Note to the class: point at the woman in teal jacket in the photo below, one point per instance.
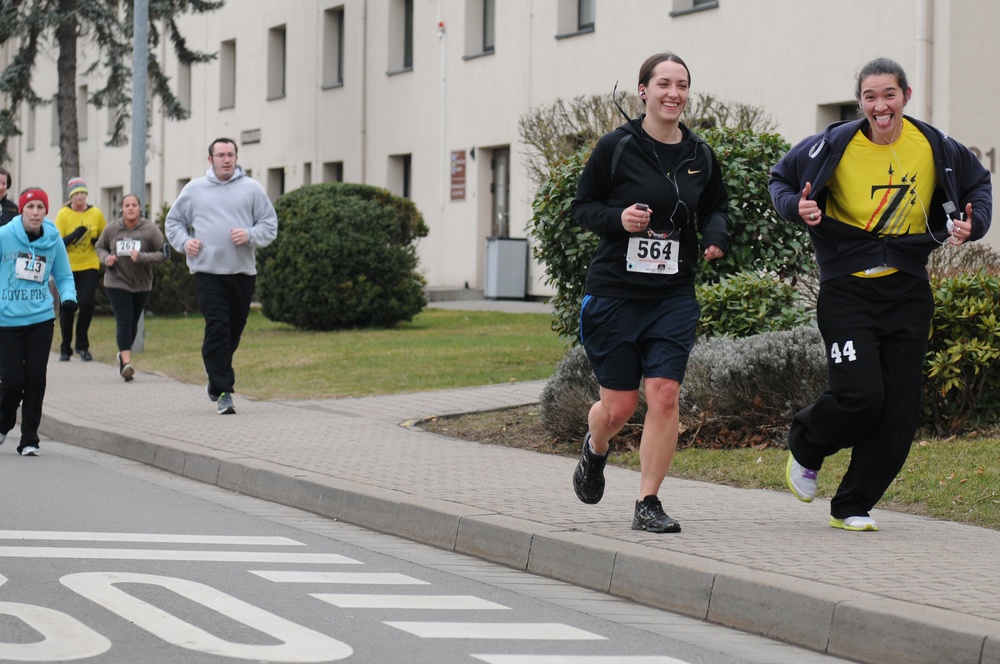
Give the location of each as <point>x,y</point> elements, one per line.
<point>31,250</point>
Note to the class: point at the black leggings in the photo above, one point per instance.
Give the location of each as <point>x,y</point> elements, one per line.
<point>24,360</point>
<point>86,288</point>
<point>128,308</point>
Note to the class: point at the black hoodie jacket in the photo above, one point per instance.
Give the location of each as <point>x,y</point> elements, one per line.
<point>843,249</point>
<point>623,170</point>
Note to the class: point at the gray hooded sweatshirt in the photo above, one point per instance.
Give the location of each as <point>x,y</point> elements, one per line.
<point>208,209</point>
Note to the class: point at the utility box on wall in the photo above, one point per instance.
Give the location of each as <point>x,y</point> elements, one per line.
<point>506,268</point>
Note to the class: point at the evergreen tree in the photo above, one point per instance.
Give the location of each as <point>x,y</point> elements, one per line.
<point>33,24</point>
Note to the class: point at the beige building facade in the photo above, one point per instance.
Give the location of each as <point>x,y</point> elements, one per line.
<point>423,97</point>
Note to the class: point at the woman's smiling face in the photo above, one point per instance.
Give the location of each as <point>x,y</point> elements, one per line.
<point>667,91</point>
<point>882,101</point>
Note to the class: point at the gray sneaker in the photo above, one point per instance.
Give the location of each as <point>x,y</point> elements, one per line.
<point>225,404</point>
<point>649,516</point>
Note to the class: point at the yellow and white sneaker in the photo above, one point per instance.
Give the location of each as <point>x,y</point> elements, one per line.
<point>854,523</point>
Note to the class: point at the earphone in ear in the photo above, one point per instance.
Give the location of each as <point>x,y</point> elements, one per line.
<point>642,95</point>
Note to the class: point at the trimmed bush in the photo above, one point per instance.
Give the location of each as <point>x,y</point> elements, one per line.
<point>962,371</point>
<point>568,395</point>
<point>746,304</point>
<point>345,256</point>
<point>752,384</point>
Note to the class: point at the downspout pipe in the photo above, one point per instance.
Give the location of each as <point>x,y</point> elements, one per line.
<point>924,56</point>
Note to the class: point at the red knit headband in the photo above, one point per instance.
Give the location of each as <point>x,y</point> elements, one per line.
<point>32,195</point>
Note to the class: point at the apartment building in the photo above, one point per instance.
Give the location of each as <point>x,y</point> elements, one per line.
<point>423,97</point>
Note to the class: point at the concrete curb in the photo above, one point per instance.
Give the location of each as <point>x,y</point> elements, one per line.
<point>822,617</point>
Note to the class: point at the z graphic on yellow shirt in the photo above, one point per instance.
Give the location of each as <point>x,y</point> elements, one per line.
<point>884,189</point>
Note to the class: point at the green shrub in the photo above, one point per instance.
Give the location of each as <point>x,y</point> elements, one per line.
<point>345,256</point>
<point>173,284</point>
<point>962,372</point>
<point>746,304</point>
<point>562,246</point>
<point>762,241</point>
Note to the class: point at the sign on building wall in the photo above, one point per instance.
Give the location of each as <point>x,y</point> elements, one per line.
<point>458,175</point>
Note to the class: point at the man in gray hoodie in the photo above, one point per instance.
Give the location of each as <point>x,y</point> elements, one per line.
<point>217,222</point>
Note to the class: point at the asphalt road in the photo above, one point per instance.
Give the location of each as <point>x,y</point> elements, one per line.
<point>106,560</point>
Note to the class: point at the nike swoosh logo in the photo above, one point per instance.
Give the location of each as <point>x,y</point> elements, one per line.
<point>690,172</point>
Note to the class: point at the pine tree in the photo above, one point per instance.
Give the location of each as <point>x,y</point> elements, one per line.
<point>33,24</point>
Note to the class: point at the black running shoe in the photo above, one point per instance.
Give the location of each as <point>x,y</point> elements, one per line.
<point>588,478</point>
<point>649,516</point>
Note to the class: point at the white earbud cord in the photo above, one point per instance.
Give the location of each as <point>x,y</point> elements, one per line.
<point>916,193</point>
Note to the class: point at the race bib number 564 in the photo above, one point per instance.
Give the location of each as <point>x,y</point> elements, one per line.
<point>652,255</point>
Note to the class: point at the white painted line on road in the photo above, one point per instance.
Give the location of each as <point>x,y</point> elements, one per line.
<point>74,536</point>
<point>166,554</point>
<point>507,631</point>
<point>577,659</point>
<point>444,602</point>
<point>370,578</point>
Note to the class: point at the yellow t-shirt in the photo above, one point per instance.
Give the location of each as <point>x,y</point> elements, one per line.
<point>81,253</point>
<point>884,189</point>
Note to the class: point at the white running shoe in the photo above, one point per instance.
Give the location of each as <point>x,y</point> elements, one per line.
<point>854,523</point>
<point>801,481</point>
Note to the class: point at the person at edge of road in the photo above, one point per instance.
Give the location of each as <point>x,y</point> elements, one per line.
<point>877,196</point>
<point>218,221</point>
<point>31,250</point>
<point>128,248</point>
<point>649,188</point>
<point>8,208</point>
<point>80,224</point>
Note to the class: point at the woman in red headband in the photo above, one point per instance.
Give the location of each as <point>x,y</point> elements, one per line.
<point>31,250</point>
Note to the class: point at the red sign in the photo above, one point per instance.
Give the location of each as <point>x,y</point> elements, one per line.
<point>458,175</point>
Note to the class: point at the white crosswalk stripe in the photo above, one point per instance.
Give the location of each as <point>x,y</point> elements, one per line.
<point>430,602</point>
<point>577,659</point>
<point>360,578</point>
<point>506,631</point>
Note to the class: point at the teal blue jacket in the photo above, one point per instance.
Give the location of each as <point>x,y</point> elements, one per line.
<point>24,301</point>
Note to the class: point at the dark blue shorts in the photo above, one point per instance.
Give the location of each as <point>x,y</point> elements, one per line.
<point>627,340</point>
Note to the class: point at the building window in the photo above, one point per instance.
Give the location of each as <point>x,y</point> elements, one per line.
<point>30,128</point>
<point>227,74</point>
<point>480,27</point>
<point>275,183</point>
<point>307,173</point>
<point>333,47</point>
<point>111,199</point>
<point>575,17</point>
<point>682,7</point>
<point>333,171</point>
<point>400,36</point>
<point>82,116</point>
<point>55,121</point>
<point>399,175</point>
<point>180,184</point>
<point>585,15</point>
<point>276,63</point>
<point>184,85</point>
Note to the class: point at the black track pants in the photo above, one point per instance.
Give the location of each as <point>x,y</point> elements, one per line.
<point>875,332</point>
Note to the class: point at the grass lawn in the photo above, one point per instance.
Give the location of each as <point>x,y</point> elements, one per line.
<point>439,349</point>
